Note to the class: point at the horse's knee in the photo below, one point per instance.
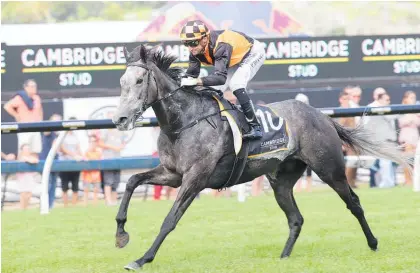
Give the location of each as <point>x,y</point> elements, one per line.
<point>355,209</point>
<point>296,223</point>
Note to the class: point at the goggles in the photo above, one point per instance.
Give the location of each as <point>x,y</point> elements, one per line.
<point>191,43</point>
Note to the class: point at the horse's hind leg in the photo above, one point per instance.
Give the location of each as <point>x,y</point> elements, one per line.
<point>282,184</point>
<point>334,175</point>
<point>157,176</point>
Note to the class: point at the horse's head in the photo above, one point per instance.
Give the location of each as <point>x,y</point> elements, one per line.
<point>138,88</point>
<point>147,77</point>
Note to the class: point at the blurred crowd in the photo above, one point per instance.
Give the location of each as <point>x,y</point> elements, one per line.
<point>399,130</point>
<point>32,147</point>
<point>402,130</point>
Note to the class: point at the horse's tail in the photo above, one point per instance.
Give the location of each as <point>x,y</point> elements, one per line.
<point>361,141</point>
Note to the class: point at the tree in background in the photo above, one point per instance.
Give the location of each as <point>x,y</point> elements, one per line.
<point>319,18</point>
<point>355,18</point>
<point>56,12</point>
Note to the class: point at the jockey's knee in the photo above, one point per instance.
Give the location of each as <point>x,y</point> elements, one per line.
<point>237,86</point>
<point>221,88</point>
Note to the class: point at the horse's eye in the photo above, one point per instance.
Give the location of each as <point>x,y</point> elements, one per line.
<point>139,81</point>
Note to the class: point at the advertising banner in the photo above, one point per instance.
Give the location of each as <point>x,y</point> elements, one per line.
<point>99,66</point>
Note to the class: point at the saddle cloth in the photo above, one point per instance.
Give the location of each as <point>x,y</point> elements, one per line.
<point>274,128</point>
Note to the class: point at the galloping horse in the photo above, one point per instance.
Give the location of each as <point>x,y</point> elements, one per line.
<point>197,155</point>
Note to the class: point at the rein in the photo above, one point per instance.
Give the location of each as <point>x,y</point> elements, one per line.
<point>146,105</point>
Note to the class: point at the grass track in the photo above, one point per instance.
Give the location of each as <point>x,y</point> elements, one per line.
<point>220,236</point>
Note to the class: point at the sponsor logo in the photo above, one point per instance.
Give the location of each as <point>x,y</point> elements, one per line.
<point>273,142</point>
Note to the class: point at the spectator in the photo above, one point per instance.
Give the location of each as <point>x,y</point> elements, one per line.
<point>8,156</point>
<point>416,182</point>
<point>257,186</point>
<point>26,107</point>
<point>170,193</point>
<point>48,138</point>
<point>355,97</point>
<point>303,98</point>
<point>70,150</point>
<point>384,130</point>
<point>92,177</point>
<point>409,125</point>
<point>308,186</point>
<point>349,122</point>
<point>112,142</point>
<point>376,93</point>
<point>375,168</point>
<point>27,180</point>
<point>157,189</point>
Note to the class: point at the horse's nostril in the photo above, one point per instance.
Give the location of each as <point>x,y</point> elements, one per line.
<point>121,120</point>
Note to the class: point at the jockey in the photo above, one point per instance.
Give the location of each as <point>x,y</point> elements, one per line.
<point>236,58</point>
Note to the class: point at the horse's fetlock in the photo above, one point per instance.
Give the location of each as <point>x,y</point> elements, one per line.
<point>121,220</point>
<point>149,259</point>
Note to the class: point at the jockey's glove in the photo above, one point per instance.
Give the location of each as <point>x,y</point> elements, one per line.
<point>189,81</point>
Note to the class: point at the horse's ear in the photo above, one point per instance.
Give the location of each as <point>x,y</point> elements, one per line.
<point>143,54</point>
<point>126,53</point>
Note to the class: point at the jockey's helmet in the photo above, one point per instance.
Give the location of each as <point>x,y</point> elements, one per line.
<point>193,30</point>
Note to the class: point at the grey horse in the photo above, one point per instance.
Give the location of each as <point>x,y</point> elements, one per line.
<point>199,155</point>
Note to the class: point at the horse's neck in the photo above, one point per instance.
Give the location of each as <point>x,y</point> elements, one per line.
<point>180,109</point>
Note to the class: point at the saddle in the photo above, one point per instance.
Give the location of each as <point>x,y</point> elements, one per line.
<point>275,134</point>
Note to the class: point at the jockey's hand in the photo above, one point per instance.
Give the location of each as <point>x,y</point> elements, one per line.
<point>189,81</point>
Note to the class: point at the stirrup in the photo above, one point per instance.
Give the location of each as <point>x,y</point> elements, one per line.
<point>254,133</point>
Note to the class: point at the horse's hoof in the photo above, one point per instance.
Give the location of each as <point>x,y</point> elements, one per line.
<point>122,239</point>
<point>284,257</point>
<point>133,266</point>
<point>374,245</point>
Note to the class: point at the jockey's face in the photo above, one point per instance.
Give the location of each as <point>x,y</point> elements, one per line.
<point>199,48</point>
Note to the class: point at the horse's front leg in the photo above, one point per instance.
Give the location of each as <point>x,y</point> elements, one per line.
<point>192,183</point>
<point>157,176</point>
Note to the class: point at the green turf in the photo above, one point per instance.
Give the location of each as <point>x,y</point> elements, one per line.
<point>220,236</point>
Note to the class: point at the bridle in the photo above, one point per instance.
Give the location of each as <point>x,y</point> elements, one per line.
<point>150,73</point>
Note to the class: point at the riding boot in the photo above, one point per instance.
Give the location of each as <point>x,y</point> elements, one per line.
<point>249,112</point>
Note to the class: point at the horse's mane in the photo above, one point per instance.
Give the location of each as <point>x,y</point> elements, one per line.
<point>159,58</point>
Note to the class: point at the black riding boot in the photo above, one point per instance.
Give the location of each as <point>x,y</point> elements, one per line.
<point>248,109</point>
